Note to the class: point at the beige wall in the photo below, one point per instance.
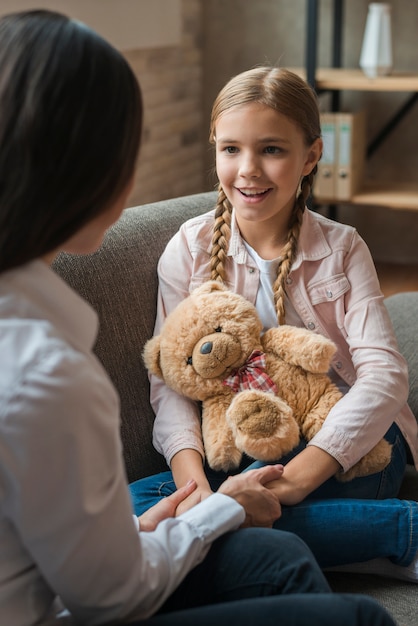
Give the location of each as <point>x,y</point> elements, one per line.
<point>171,158</point>
<point>126,24</point>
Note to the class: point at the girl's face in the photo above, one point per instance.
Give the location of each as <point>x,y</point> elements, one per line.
<point>261,157</point>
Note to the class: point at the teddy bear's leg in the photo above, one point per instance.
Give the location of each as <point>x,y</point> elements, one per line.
<point>263,425</point>
<point>313,407</point>
<point>221,450</point>
<point>374,461</point>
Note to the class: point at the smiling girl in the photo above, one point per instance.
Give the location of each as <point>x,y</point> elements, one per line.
<point>302,269</point>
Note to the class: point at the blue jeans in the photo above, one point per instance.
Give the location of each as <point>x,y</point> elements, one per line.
<point>340,522</point>
<point>261,576</point>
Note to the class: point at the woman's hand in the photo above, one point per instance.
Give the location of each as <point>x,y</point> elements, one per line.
<point>261,505</point>
<point>165,508</point>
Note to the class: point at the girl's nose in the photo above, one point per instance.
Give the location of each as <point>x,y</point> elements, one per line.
<point>249,166</point>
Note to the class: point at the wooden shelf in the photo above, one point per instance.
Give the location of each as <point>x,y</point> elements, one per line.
<point>401,196</point>
<point>337,79</point>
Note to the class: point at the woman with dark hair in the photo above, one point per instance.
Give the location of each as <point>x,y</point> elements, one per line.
<point>70,547</point>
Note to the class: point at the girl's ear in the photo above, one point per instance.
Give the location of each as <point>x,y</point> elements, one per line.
<point>314,154</point>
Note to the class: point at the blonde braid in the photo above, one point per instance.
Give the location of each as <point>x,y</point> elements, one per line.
<point>221,236</point>
<point>290,248</point>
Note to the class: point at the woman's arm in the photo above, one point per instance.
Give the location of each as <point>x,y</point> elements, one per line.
<point>66,430</point>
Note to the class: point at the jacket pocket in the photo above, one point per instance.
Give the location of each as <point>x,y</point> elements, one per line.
<point>328,289</point>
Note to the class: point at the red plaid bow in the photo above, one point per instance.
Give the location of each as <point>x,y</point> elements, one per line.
<point>251,375</point>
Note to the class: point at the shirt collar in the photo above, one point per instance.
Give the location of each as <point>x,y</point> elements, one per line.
<point>313,244</point>
<point>46,296</point>
<point>236,247</point>
<point>312,241</point>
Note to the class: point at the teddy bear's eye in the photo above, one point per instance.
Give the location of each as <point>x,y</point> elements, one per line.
<point>218,329</point>
<point>189,361</point>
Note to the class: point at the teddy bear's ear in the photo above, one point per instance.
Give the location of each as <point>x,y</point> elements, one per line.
<point>151,356</point>
<point>208,287</point>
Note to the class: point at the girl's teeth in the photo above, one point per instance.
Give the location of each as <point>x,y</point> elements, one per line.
<point>253,193</point>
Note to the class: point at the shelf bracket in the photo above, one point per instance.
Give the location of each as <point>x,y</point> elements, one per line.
<point>311,39</point>
<point>391,125</point>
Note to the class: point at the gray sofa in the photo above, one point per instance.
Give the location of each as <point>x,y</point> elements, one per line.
<point>121,284</point>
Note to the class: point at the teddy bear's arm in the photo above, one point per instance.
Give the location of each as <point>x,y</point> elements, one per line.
<point>301,347</point>
<point>219,442</point>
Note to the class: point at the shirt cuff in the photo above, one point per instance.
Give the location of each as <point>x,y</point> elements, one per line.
<point>215,516</point>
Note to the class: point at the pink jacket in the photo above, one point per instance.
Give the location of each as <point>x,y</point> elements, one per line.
<point>334,288</point>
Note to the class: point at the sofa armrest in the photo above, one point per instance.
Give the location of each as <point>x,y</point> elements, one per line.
<point>403,310</point>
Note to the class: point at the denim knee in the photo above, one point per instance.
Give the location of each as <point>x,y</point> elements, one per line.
<point>146,492</point>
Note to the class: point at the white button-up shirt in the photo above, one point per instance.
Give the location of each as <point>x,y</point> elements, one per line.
<point>66,524</point>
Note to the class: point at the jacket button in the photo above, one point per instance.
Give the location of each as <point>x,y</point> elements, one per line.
<point>329,294</point>
<point>251,270</point>
<point>338,365</point>
<point>311,326</point>
<point>289,281</point>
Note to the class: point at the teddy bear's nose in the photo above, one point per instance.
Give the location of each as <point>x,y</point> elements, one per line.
<point>206,348</point>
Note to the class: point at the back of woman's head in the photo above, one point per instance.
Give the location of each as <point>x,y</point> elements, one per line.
<point>70,127</point>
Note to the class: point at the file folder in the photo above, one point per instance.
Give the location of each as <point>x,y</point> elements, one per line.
<point>341,167</point>
<point>351,132</point>
<point>325,182</point>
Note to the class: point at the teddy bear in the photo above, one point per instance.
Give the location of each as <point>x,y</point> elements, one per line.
<point>259,392</point>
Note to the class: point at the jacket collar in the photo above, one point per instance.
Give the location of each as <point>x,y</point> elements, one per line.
<point>313,245</point>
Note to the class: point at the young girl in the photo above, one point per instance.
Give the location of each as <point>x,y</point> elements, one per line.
<point>302,269</point>
<point>70,127</point>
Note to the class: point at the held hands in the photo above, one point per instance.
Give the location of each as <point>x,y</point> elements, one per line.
<point>165,508</point>
<point>262,507</point>
<point>249,489</point>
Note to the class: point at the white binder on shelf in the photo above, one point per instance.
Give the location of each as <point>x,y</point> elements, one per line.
<point>351,132</point>
<point>341,167</point>
<point>325,182</point>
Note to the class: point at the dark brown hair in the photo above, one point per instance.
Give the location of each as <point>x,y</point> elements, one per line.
<point>70,127</point>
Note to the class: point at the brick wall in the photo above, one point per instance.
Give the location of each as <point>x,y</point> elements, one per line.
<point>171,157</point>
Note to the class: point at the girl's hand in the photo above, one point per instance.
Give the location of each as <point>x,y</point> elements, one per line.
<point>261,505</point>
<point>303,474</point>
<point>199,494</point>
<point>166,508</point>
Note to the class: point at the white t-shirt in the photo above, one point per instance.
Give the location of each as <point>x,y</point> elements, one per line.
<point>66,525</point>
<point>265,299</point>
<point>266,308</point>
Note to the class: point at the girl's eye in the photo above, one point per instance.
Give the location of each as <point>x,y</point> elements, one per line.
<point>230,149</point>
<point>272,150</point>
<point>218,329</point>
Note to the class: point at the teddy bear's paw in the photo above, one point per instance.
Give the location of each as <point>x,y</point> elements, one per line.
<point>373,462</point>
<point>299,346</point>
<point>225,459</point>
<point>262,424</point>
